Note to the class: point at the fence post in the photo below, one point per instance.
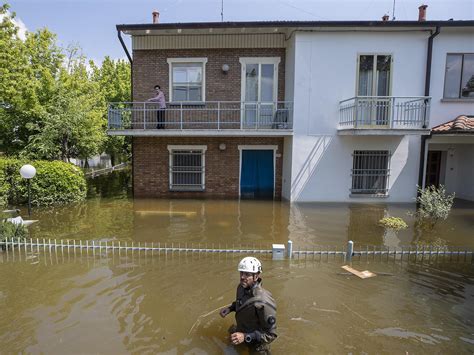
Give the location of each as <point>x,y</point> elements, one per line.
<point>350,250</point>
<point>181,115</point>
<point>392,113</point>
<point>144,115</point>
<point>218,115</point>
<point>290,249</point>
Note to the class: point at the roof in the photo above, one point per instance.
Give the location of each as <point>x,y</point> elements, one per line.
<point>299,24</point>
<point>461,124</point>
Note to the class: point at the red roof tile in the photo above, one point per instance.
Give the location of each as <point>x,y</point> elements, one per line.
<point>461,124</point>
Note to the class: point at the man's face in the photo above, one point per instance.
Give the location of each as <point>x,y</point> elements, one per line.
<point>247,279</point>
<point>157,90</point>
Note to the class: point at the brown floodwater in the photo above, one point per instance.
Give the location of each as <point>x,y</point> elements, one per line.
<point>108,304</point>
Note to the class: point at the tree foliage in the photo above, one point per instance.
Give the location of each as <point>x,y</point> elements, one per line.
<point>53,103</point>
<point>434,205</point>
<point>55,182</point>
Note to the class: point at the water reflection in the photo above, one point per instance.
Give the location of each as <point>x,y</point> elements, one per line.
<point>151,304</point>
<point>240,223</point>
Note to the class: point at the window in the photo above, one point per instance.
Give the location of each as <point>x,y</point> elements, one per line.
<point>187,79</point>
<point>374,75</point>
<point>187,168</point>
<point>459,78</point>
<point>370,171</point>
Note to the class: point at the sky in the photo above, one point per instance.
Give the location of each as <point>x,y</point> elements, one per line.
<point>91,23</point>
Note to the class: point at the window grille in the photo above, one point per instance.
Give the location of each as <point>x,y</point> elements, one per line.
<point>370,172</point>
<point>187,170</point>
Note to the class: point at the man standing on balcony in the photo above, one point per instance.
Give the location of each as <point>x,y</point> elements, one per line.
<point>159,98</point>
<point>255,310</point>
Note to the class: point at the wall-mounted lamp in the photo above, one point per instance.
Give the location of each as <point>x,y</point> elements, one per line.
<point>222,146</point>
<point>225,68</point>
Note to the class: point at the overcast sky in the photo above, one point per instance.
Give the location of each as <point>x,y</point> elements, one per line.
<point>91,23</point>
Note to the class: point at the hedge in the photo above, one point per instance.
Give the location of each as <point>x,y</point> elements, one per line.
<point>56,182</point>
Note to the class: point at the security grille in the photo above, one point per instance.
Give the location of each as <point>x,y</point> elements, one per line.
<point>370,172</point>
<point>187,170</point>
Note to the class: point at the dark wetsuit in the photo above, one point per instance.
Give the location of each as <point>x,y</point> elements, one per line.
<point>255,314</point>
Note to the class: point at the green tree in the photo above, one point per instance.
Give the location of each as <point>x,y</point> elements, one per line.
<point>18,99</point>
<point>113,77</point>
<point>73,126</point>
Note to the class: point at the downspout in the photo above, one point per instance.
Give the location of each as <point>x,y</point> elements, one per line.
<point>424,139</point>
<point>119,34</point>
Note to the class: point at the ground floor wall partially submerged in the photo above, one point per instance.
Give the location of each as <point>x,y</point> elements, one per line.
<point>158,171</point>
<point>450,162</point>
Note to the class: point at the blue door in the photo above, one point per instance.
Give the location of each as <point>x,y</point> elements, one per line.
<point>257,175</point>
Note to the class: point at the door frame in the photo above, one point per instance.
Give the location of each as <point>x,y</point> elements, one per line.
<point>258,147</point>
<point>257,60</point>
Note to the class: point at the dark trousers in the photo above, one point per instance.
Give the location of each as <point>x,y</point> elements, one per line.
<point>160,117</point>
<point>259,349</point>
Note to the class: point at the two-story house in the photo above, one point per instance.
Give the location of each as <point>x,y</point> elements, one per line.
<point>305,111</point>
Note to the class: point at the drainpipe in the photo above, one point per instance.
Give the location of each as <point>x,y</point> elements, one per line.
<point>119,34</point>
<point>424,139</point>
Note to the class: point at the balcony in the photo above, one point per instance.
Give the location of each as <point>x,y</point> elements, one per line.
<point>384,115</point>
<point>216,118</point>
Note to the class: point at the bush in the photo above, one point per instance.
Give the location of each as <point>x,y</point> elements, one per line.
<point>55,182</point>
<point>434,205</point>
<point>11,230</point>
<point>394,223</point>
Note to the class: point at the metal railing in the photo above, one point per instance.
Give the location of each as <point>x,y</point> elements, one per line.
<point>35,250</point>
<point>392,112</point>
<point>209,115</point>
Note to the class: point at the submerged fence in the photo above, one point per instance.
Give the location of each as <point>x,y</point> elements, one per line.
<point>17,247</point>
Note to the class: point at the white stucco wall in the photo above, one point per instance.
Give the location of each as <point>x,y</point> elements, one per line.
<point>448,41</point>
<point>465,176</point>
<point>325,73</point>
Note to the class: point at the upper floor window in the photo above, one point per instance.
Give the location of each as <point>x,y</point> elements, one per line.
<point>374,75</point>
<point>187,79</point>
<point>459,78</point>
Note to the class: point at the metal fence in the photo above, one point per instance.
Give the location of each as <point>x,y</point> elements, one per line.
<point>19,249</point>
<point>209,115</point>
<point>394,112</point>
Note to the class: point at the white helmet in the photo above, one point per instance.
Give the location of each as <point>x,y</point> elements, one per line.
<point>250,264</point>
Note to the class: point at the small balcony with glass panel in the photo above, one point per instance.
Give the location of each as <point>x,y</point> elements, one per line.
<point>374,111</point>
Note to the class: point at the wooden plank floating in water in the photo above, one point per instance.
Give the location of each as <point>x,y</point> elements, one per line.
<point>362,274</point>
<point>168,213</point>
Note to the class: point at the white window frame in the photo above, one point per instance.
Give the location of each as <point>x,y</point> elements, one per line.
<point>259,147</point>
<point>375,54</point>
<point>203,149</point>
<point>259,60</point>
<point>387,174</point>
<point>191,60</point>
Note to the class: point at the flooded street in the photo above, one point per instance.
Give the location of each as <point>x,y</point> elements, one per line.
<point>138,303</point>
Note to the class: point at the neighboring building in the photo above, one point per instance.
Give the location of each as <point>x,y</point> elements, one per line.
<point>305,111</point>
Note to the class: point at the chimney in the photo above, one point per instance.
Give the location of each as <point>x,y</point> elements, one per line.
<point>156,16</point>
<point>422,13</point>
<point>385,18</point>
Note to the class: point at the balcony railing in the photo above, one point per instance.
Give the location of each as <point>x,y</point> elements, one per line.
<point>389,112</point>
<point>215,115</point>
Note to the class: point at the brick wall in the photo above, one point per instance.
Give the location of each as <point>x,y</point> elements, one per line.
<point>151,165</point>
<point>150,67</point>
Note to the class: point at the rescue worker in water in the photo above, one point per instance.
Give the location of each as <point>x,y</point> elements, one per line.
<point>255,310</point>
